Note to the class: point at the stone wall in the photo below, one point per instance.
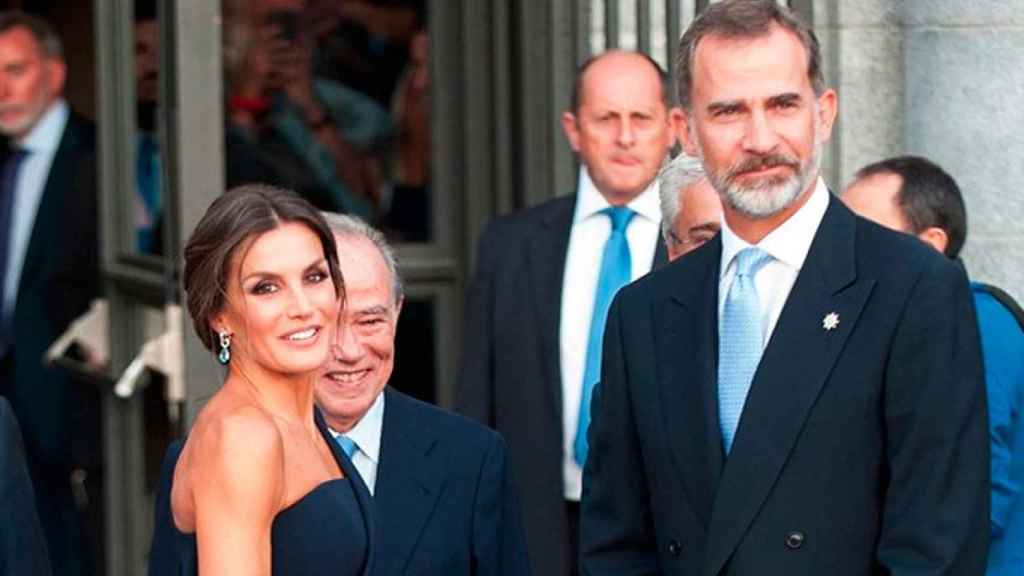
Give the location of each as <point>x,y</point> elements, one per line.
<point>943,79</point>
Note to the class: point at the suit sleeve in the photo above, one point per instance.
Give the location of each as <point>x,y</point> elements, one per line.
<point>22,545</point>
<point>936,509</point>
<point>476,373</point>
<point>499,543</point>
<point>616,533</point>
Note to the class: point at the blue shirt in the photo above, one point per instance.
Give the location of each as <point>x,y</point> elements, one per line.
<point>41,143</point>
<point>1002,347</point>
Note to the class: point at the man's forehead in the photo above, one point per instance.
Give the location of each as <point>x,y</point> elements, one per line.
<point>19,41</point>
<point>740,68</point>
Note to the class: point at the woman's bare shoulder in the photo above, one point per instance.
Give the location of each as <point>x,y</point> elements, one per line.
<point>234,455</point>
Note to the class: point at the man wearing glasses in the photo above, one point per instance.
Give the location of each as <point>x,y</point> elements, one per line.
<point>691,212</point>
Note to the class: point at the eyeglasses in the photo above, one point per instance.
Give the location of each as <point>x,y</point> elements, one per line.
<point>696,237</point>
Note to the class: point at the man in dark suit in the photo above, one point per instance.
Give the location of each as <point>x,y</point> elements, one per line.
<point>22,544</point>
<point>536,307</point>
<point>48,254</point>
<point>443,498</point>
<point>916,196</point>
<point>802,395</point>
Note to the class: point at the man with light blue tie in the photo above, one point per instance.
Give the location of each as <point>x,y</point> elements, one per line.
<point>803,394</point>
<point>444,502</point>
<point>536,307</point>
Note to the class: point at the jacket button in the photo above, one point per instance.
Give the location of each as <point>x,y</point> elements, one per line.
<point>794,540</point>
<point>674,547</point>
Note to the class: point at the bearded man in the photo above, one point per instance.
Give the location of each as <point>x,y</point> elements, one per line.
<point>804,393</point>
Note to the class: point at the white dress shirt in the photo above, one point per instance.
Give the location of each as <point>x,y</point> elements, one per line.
<point>366,434</point>
<point>41,143</point>
<point>788,246</point>
<point>590,231</point>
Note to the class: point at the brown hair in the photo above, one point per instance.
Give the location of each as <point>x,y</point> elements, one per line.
<point>744,19</point>
<point>242,213</point>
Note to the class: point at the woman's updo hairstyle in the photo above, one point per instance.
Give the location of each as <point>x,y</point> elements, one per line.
<point>243,212</point>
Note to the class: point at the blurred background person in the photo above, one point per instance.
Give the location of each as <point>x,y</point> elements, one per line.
<point>536,307</point>
<point>148,202</point>
<point>288,126</point>
<point>262,288</point>
<point>49,263</point>
<point>916,196</point>
<point>691,211</point>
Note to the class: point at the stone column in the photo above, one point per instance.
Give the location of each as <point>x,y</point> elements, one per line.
<point>964,109</point>
<point>862,48</point>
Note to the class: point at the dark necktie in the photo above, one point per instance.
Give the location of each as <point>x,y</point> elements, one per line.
<point>8,183</point>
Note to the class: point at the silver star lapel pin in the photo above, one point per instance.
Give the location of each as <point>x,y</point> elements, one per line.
<point>830,321</point>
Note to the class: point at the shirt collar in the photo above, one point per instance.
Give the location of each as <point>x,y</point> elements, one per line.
<point>366,433</point>
<point>790,242</point>
<point>590,201</point>
<point>45,135</point>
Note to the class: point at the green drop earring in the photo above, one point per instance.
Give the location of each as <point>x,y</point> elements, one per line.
<point>224,356</point>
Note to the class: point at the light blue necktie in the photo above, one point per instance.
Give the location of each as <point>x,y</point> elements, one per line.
<point>616,268</point>
<point>739,342</point>
<point>348,445</point>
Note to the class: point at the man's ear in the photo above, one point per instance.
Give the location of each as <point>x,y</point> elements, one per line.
<point>675,120</point>
<point>936,237</point>
<point>828,107</point>
<point>572,130</point>
<point>398,309</point>
<point>56,74</point>
<point>685,132</point>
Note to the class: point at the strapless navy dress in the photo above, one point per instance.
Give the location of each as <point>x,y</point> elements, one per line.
<point>327,531</point>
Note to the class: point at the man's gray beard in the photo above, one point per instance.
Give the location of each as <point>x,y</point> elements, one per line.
<point>769,196</point>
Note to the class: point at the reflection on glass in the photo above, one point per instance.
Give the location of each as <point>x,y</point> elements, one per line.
<point>147,202</point>
<point>331,99</point>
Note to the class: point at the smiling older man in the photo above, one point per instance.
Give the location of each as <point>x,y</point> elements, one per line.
<point>443,498</point>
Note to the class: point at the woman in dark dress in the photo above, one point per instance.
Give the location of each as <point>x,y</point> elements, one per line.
<point>258,487</point>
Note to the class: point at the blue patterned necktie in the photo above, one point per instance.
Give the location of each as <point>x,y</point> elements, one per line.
<point>739,342</point>
<point>616,268</point>
<point>348,445</point>
<point>8,184</point>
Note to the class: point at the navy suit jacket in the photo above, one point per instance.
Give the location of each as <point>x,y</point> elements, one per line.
<point>861,450</point>
<point>60,276</point>
<point>510,375</point>
<point>443,499</point>
<point>22,544</point>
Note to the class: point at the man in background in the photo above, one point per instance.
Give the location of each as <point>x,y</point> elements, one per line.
<point>914,195</point>
<point>537,303</point>
<point>48,258</point>
<point>691,212</point>
<point>444,501</point>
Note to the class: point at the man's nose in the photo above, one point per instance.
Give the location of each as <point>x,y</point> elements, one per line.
<point>760,136</point>
<point>627,133</point>
<point>347,347</point>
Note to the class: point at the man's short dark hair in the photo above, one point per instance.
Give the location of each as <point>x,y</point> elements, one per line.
<point>576,97</point>
<point>44,34</point>
<point>928,197</point>
<point>734,19</point>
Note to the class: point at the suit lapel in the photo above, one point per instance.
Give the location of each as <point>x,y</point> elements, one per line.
<point>58,182</point>
<point>686,342</point>
<point>795,365</point>
<point>547,249</point>
<point>409,481</point>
